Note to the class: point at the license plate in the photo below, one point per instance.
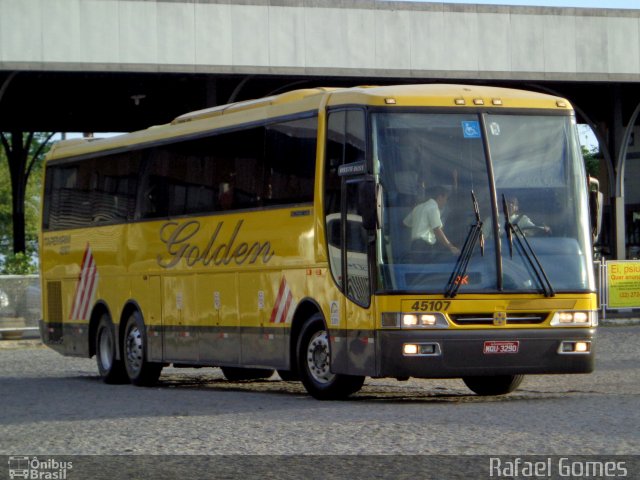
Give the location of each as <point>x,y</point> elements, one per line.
<point>500,347</point>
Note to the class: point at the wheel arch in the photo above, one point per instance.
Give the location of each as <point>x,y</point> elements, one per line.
<point>306,308</point>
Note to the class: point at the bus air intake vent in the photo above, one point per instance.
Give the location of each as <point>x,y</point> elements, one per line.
<point>54,302</point>
<point>487,319</point>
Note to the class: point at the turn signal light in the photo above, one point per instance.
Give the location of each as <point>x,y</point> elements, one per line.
<point>421,349</point>
<point>574,346</point>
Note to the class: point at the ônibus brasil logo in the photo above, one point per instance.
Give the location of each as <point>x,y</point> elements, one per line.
<point>36,469</point>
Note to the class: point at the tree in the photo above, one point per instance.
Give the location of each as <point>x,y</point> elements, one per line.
<point>591,161</point>
<point>23,153</point>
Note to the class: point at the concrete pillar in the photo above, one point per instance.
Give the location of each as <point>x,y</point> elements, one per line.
<point>616,145</point>
<point>620,232</point>
<point>622,137</point>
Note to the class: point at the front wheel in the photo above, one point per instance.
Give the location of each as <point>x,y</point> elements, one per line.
<point>141,372</point>
<point>111,370</point>
<point>493,385</point>
<point>314,364</point>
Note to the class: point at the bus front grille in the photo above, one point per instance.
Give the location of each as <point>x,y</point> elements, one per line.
<point>487,319</point>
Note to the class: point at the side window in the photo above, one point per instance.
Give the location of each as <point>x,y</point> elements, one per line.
<point>358,285</point>
<point>346,238</point>
<point>216,173</point>
<point>291,161</point>
<point>355,137</point>
<point>68,196</point>
<point>155,189</point>
<point>243,183</point>
<point>333,191</point>
<point>178,181</point>
<point>114,182</point>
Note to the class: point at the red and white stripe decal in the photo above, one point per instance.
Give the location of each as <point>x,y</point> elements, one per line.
<point>283,302</point>
<point>86,289</point>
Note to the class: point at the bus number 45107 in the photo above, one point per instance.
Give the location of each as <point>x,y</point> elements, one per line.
<point>431,306</point>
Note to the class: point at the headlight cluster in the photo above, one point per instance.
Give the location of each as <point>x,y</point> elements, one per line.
<point>414,320</point>
<point>575,319</point>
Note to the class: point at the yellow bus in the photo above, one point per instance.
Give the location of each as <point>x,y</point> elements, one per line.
<point>429,231</point>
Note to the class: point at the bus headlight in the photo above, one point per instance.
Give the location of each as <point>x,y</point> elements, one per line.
<point>414,320</point>
<point>575,319</point>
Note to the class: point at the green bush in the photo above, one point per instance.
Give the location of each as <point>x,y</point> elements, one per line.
<point>17,264</point>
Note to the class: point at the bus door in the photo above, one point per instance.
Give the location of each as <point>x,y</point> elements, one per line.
<point>351,327</point>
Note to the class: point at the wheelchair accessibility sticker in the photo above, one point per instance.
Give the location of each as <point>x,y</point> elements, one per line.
<point>471,129</point>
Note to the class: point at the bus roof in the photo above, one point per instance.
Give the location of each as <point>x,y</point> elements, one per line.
<point>307,100</point>
<point>447,95</point>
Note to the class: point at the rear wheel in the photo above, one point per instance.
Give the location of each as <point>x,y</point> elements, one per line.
<point>141,372</point>
<point>493,385</point>
<point>314,364</point>
<point>236,374</point>
<point>111,370</point>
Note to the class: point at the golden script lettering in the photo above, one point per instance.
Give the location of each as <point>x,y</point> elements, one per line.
<point>181,242</point>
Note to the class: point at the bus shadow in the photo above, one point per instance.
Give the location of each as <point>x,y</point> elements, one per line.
<point>370,393</point>
<point>373,391</point>
<point>84,396</point>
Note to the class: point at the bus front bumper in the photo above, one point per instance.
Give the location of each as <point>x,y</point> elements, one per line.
<point>451,354</point>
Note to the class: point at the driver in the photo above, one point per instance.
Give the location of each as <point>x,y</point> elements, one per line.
<point>427,234</point>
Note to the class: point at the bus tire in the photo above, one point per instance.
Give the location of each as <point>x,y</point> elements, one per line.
<point>140,371</point>
<point>314,364</point>
<point>237,374</point>
<point>493,385</point>
<point>111,370</point>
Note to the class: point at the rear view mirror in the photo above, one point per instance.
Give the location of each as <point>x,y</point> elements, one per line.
<point>367,204</point>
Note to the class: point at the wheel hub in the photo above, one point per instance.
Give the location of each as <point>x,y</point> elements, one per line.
<point>134,349</point>
<point>318,358</point>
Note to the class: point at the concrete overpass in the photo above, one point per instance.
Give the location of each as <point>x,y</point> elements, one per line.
<point>114,65</point>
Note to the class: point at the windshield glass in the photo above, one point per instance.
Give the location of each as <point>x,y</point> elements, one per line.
<point>539,173</point>
<point>432,166</point>
<point>428,165</point>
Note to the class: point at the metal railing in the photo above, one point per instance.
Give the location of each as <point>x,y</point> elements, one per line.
<point>19,305</point>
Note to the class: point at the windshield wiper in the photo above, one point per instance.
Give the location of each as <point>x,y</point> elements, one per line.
<point>513,230</point>
<point>458,276</point>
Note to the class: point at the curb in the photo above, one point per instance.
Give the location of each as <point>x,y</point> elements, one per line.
<point>619,322</point>
<point>23,343</point>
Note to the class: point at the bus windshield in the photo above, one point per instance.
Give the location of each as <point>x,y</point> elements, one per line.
<point>480,203</point>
